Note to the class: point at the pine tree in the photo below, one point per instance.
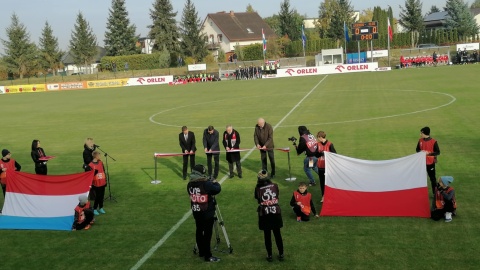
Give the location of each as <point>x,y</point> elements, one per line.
<point>343,14</point>
<point>20,53</point>
<point>250,8</point>
<point>164,30</point>
<point>120,38</point>
<point>433,9</point>
<point>83,43</point>
<point>475,4</point>
<point>193,40</point>
<point>290,22</point>
<point>326,12</point>
<point>411,18</point>
<point>460,18</point>
<point>50,56</point>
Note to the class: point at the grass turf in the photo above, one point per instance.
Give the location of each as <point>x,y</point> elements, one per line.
<point>366,115</point>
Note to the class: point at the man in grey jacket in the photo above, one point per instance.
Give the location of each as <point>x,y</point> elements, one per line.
<point>263,137</point>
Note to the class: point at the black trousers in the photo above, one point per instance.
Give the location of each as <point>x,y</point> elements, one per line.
<point>185,164</point>
<point>203,236</point>
<point>431,175</point>
<point>239,167</point>
<point>298,211</point>
<point>438,214</point>
<point>41,170</point>
<point>267,236</point>
<point>271,157</point>
<point>99,196</point>
<point>321,176</point>
<point>88,218</point>
<point>4,188</point>
<point>216,159</point>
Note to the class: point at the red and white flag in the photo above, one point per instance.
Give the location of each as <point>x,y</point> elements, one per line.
<point>390,32</point>
<point>394,188</point>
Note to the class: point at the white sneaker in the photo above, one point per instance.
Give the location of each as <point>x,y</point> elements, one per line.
<point>322,200</point>
<point>448,216</point>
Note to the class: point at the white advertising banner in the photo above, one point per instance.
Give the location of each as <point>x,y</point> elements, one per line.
<point>376,54</point>
<point>197,67</point>
<point>2,90</point>
<point>53,87</point>
<point>150,80</point>
<point>327,69</point>
<point>469,46</point>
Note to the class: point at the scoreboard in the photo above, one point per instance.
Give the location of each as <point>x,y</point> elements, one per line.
<point>365,31</point>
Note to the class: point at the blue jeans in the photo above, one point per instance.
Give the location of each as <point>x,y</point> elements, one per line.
<point>308,170</point>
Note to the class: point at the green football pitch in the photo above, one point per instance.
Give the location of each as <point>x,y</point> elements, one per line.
<point>373,116</point>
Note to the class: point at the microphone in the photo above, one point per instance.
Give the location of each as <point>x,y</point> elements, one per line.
<point>96,146</point>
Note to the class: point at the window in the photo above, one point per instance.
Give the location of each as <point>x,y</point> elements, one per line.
<point>249,31</point>
<point>219,38</point>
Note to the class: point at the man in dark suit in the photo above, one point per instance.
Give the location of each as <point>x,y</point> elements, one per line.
<point>187,143</point>
<point>212,149</point>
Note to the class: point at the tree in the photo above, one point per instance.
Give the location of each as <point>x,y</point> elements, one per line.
<point>411,18</point>
<point>326,12</point>
<point>366,15</point>
<point>193,40</point>
<point>250,8</point>
<point>83,43</point>
<point>433,9</point>
<point>50,56</point>
<point>343,14</point>
<point>164,30</point>
<point>290,21</point>
<point>120,38</point>
<point>460,18</point>
<point>20,53</point>
<point>274,23</point>
<point>475,4</point>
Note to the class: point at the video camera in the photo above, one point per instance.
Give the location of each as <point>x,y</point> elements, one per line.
<point>293,139</point>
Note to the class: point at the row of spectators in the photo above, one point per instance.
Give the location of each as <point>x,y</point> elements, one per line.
<point>423,60</point>
<point>193,78</point>
<point>463,57</point>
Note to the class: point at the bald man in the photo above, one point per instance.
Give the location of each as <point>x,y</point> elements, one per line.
<point>263,137</point>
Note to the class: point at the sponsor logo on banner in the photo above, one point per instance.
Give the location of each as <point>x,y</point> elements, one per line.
<point>2,90</point>
<point>28,88</point>
<point>197,67</point>
<point>150,80</point>
<point>107,83</point>
<point>376,54</point>
<point>53,87</point>
<point>73,85</point>
<point>383,69</point>
<point>326,69</point>
<point>469,46</point>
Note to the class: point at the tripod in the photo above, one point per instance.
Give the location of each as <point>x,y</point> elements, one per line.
<point>106,155</point>
<point>218,222</point>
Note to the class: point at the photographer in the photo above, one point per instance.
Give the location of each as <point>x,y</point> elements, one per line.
<point>307,145</point>
<point>444,204</point>
<point>202,201</point>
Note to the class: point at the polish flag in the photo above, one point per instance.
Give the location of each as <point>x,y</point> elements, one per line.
<point>393,188</point>
<point>42,202</point>
<point>390,32</point>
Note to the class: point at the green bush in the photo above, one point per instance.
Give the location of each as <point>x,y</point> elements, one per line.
<point>137,61</point>
<point>253,52</point>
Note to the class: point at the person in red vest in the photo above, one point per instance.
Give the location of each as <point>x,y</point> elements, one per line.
<point>7,164</point>
<point>83,214</point>
<point>430,146</point>
<point>99,183</point>
<point>302,203</point>
<point>323,146</point>
<point>269,213</point>
<point>444,204</point>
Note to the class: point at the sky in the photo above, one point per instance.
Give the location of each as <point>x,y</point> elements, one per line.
<point>61,14</point>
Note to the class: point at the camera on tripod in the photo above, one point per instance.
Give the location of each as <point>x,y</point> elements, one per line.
<point>293,139</point>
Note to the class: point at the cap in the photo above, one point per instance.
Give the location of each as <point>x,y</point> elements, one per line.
<point>83,199</point>
<point>5,152</point>
<point>200,168</point>
<point>425,130</point>
<point>446,180</point>
<point>263,175</point>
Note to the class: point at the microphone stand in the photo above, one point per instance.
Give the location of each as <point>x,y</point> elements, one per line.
<point>106,155</point>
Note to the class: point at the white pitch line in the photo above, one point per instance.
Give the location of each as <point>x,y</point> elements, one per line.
<point>187,214</point>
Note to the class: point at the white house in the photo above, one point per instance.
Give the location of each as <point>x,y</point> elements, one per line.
<point>227,30</point>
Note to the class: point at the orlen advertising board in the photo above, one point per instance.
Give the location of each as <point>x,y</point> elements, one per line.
<point>150,80</point>
<point>327,69</point>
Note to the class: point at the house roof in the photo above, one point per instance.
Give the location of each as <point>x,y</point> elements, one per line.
<point>437,16</point>
<point>242,26</point>
<point>67,58</point>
